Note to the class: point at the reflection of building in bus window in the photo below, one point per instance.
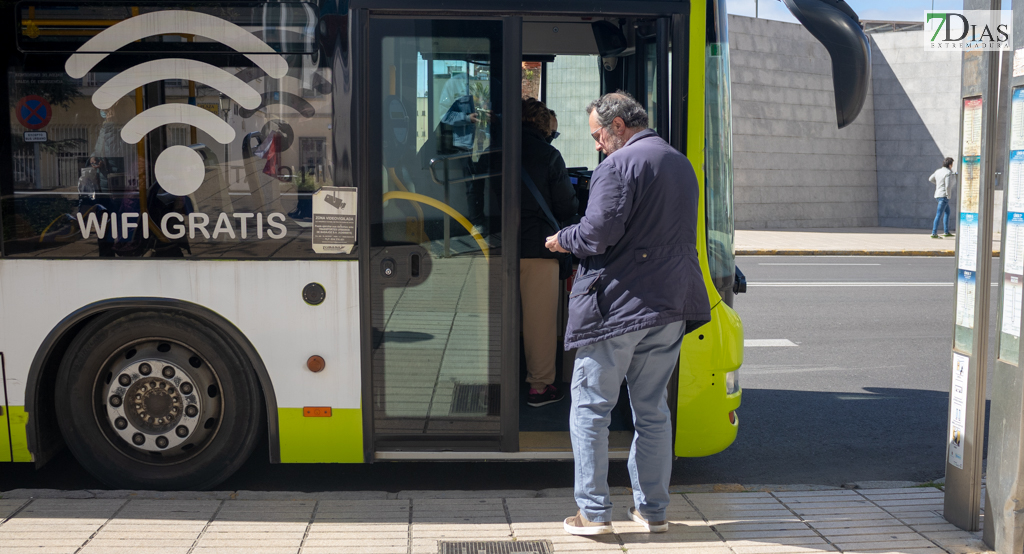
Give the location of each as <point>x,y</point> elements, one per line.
<point>121,159</point>
<point>74,147</point>
<point>89,180</point>
<point>421,121</point>
<point>312,152</point>
<point>178,134</point>
<point>106,184</point>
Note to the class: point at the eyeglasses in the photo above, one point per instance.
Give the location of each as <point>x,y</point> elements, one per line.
<point>552,136</point>
<point>596,134</point>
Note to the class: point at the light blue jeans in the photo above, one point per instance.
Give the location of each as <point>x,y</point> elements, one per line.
<point>941,211</point>
<point>646,360</point>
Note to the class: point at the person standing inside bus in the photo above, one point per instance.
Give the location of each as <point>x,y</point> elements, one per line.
<point>943,179</point>
<point>639,290</point>
<point>539,267</point>
<point>552,127</point>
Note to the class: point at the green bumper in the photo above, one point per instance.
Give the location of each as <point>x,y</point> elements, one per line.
<point>703,424</point>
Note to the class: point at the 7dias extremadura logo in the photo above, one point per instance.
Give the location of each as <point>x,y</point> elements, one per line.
<point>968,30</point>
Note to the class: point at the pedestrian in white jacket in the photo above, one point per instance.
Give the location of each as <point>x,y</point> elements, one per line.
<point>944,180</point>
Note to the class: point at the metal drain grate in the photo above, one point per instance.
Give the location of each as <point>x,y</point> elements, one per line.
<point>476,399</point>
<point>495,547</point>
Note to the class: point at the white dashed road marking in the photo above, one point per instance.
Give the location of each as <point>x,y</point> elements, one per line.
<point>768,342</point>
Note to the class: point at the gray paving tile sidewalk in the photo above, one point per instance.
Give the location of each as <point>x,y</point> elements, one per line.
<point>879,241</point>
<point>877,521</point>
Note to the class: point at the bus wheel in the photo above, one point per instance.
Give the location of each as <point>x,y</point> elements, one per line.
<point>157,400</point>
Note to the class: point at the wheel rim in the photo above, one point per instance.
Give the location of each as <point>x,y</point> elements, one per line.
<point>158,401</point>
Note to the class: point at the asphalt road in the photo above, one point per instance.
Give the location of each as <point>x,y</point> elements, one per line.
<point>860,394</point>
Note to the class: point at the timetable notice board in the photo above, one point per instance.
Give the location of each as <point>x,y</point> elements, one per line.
<point>1013,242</point>
<point>970,189</point>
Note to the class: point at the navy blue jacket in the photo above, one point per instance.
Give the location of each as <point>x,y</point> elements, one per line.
<point>637,245</point>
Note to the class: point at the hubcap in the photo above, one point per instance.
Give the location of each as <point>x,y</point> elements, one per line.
<point>159,399</point>
<point>156,405</point>
<point>155,408</point>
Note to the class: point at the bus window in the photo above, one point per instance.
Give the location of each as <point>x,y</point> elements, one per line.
<point>651,73</point>
<point>573,81</point>
<point>437,141</point>
<point>718,154</point>
<point>91,178</point>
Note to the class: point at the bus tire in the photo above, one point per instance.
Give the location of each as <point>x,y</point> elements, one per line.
<point>157,400</point>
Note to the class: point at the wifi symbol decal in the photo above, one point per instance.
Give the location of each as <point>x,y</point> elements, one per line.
<point>178,169</point>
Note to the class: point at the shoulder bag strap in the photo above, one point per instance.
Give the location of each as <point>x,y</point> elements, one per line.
<point>540,199</point>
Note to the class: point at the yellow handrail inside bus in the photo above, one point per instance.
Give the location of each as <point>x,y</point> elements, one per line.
<point>434,203</point>
<point>31,27</point>
<point>42,235</point>
<point>419,211</point>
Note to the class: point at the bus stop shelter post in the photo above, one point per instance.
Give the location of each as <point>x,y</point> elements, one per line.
<point>1004,491</point>
<point>966,425</point>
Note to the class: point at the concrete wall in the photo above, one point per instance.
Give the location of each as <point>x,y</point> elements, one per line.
<point>793,167</point>
<point>917,113</point>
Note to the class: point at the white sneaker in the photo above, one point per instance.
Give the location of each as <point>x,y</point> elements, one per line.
<point>650,526</point>
<point>579,525</point>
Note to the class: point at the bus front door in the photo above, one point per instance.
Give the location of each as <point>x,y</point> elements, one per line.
<point>434,212</point>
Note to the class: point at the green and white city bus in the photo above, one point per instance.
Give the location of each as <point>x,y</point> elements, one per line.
<point>226,220</point>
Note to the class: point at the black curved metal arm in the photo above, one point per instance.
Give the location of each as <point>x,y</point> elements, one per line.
<point>837,27</point>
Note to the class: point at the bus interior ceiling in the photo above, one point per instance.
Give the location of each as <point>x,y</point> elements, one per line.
<point>574,72</point>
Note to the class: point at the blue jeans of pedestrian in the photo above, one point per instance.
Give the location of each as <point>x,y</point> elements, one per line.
<point>942,210</point>
<point>646,359</point>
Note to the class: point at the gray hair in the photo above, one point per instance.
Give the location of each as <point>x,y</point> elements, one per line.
<point>619,104</point>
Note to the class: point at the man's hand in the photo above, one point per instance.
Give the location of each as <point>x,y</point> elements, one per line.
<point>552,244</point>
<point>473,118</point>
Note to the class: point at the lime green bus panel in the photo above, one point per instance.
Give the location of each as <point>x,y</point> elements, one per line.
<point>317,440</point>
<point>702,416</point>
<point>5,432</point>
<point>17,419</point>
<point>702,425</point>
<point>5,437</point>
<point>695,139</point>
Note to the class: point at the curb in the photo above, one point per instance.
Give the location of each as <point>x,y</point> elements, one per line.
<point>822,252</point>
<point>427,495</point>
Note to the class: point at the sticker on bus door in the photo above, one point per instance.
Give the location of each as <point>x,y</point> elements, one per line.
<point>334,220</point>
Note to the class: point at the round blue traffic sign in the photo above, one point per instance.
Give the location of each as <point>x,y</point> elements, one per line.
<point>33,112</point>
